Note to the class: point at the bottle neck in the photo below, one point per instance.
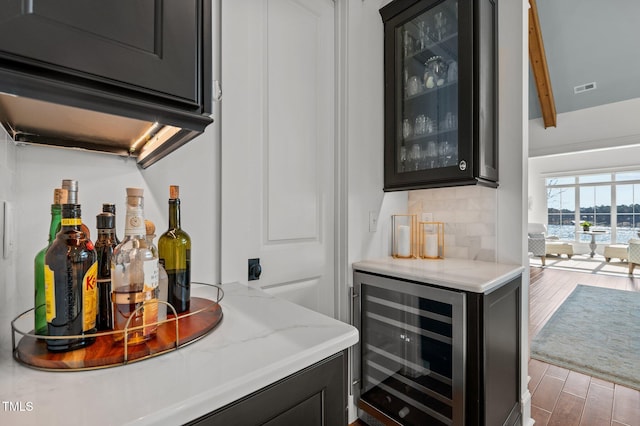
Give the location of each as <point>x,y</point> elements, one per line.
<point>56,218</point>
<point>71,217</point>
<point>134,224</point>
<point>174,213</point>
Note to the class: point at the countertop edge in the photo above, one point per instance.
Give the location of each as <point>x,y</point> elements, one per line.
<point>248,384</point>
<point>448,274</point>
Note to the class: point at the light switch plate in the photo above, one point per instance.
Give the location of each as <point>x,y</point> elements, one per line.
<point>7,229</point>
<point>373,221</point>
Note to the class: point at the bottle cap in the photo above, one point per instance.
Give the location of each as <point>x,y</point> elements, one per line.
<point>105,221</point>
<point>109,208</point>
<point>72,187</point>
<point>174,192</point>
<point>135,192</point>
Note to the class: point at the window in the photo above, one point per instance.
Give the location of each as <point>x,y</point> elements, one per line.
<point>610,201</point>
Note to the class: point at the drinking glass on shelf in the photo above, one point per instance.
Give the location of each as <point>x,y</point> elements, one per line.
<point>440,25</point>
<point>414,156</point>
<point>431,155</point>
<point>452,71</point>
<point>408,43</point>
<point>403,158</point>
<point>413,87</point>
<point>422,38</point>
<point>444,153</point>
<point>420,126</point>
<point>406,129</point>
<point>429,126</point>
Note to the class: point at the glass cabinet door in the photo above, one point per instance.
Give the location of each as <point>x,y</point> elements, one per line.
<point>426,114</point>
<point>440,93</point>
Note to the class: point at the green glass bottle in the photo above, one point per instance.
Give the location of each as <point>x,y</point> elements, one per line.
<point>174,248</point>
<point>40,312</point>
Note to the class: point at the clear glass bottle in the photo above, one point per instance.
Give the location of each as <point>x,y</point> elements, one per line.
<point>163,279</point>
<point>40,311</point>
<point>175,255</point>
<point>134,277</point>
<point>105,245</point>
<point>70,284</point>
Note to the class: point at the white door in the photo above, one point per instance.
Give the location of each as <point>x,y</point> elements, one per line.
<point>277,126</point>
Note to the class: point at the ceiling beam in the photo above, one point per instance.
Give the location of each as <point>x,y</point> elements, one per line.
<point>538,61</point>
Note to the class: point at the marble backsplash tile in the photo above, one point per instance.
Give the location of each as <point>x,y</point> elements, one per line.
<point>469,214</point>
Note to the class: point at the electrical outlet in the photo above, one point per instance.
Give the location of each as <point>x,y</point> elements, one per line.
<point>373,221</point>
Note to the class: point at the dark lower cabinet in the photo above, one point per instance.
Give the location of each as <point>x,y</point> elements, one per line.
<point>313,396</point>
<point>434,356</point>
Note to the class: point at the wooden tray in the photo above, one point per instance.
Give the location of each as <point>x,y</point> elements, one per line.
<point>203,316</point>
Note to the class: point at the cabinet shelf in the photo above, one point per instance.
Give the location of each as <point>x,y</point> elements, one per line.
<point>447,47</point>
<point>432,91</point>
<point>173,333</point>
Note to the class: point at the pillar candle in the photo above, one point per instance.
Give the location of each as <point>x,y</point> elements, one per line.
<point>430,244</point>
<point>403,242</point>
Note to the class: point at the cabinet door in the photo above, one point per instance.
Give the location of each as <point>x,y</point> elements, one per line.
<point>146,45</point>
<point>435,108</point>
<point>314,396</point>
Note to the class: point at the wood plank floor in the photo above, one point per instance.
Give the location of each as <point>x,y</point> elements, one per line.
<point>561,397</point>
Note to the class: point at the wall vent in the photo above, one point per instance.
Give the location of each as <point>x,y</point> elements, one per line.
<point>584,88</point>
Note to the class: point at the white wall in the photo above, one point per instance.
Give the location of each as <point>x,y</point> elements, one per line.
<point>8,281</point>
<point>365,124</point>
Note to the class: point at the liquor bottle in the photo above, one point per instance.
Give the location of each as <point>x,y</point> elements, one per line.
<point>175,255</point>
<point>105,244</point>
<point>40,311</point>
<point>111,208</point>
<point>134,277</point>
<point>163,279</point>
<point>70,284</point>
<point>72,198</point>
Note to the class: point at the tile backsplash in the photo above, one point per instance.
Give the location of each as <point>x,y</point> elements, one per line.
<point>469,214</point>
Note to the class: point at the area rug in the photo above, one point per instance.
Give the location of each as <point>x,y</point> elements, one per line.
<point>596,331</point>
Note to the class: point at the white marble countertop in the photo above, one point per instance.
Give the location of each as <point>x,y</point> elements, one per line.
<point>460,274</point>
<point>260,340</point>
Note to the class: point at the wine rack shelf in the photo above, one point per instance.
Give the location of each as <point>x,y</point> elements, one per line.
<point>173,333</point>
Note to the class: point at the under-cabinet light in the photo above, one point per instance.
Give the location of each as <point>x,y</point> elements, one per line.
<point>144,137</point>
<point>163,135</point>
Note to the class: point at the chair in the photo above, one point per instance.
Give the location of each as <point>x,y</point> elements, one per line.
<point>540,244</point>
<point>634,254</point>
<point>537,246</point>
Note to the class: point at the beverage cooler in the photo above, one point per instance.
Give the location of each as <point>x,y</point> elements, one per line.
<point>409,368</point>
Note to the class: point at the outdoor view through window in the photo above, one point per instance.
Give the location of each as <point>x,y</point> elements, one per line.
<point>609,201</point>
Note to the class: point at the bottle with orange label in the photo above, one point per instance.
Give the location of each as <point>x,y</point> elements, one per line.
<point>70,280</point>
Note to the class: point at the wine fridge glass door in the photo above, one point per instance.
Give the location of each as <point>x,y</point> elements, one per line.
<point>411,362</point>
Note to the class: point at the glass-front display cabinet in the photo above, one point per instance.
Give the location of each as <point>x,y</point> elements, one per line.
<point>440,93</point>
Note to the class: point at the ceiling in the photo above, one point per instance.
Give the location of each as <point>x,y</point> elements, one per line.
<point>588,41</point>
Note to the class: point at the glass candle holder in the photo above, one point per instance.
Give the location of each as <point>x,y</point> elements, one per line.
<point>403,236</point>
<point>431,240</point>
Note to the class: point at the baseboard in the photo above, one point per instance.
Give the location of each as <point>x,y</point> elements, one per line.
<point>526,409</point>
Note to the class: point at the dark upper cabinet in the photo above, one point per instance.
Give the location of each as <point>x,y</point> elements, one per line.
<point>440,93</point>
<point>145,60</point>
